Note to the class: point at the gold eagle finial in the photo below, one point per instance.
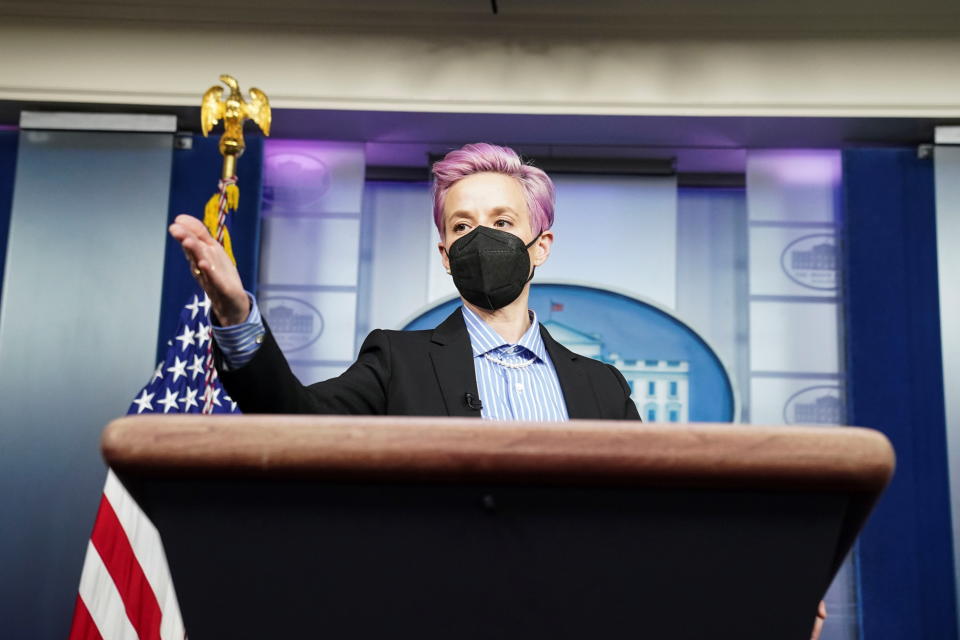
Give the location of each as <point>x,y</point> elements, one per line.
<point>233,111</point>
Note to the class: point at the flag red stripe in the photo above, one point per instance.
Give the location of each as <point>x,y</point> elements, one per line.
<point>83,627</point>
<point>114,548</point>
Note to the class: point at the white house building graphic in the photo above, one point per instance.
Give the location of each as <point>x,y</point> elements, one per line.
<point>820,257</point>
<point>659,388</point>
<point>283,319</point>
<point>811,261</point>
<point>294,322</point>
<point>825,409</point>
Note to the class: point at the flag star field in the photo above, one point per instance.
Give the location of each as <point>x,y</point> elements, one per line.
<point>177,382</point>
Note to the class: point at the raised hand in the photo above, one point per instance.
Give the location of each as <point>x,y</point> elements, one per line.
<point>213,269</point>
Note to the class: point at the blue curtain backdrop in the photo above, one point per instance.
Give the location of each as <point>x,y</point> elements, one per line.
<point>896,386</point>
<point>194,179</point>
<point>8,164</point>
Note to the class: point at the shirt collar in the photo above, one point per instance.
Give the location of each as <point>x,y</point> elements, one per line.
<point>484,339</point>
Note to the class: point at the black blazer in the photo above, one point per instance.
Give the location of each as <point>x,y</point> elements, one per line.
<point>416,373</point>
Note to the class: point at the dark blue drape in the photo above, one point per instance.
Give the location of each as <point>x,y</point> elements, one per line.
<point>894,366</point>
<point>194,179</point>
<point>8,165</point>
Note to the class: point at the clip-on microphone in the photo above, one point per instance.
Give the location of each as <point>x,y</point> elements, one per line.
<point>473,402</point>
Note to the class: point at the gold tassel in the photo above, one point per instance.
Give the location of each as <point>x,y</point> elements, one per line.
<point>211,216</point>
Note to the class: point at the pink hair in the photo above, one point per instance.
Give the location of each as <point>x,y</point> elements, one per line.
<point>482,157</point>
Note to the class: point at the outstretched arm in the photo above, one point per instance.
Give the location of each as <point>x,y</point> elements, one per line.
<point>267,385</point>
<point>261,380</point>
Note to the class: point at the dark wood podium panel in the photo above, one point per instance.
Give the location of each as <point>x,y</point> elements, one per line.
<point>278,526</point>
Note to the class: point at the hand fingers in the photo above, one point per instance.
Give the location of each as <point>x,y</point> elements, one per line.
<point>182,233</point>
<point>209,264</point>
<point>203,265</point>
<point>194,250</point>
<point>196,242</point>
<point>194,227</point>
<point>205,273</point>
<point>190,261</point>
<point>208,261</point>
<point>190,222</point>
<point>206,268</point>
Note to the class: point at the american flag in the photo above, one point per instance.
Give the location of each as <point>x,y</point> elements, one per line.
<point>125,589</point>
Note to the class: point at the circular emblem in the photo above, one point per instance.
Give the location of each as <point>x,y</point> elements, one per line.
<point>293,181</point>
<point>295,324</point>
<point>811,261</point>
<point>819,404</point>
<point>673,373</point>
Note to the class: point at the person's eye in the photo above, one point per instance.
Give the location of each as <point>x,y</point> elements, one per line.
<point>501,224</point>
<point>460,227</point>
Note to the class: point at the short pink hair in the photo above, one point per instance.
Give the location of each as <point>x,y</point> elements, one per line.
<point>481,157</point>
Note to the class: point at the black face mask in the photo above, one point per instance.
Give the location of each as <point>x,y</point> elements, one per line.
<point>490,267</point>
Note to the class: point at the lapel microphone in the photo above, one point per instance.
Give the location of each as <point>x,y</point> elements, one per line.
<point>472,402</point>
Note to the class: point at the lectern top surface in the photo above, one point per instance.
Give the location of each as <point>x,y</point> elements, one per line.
<point>425,449</point>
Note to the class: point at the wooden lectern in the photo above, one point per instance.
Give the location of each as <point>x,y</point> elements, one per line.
<point>459,529</point>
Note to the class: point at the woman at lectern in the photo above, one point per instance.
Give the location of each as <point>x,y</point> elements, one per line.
<point>490,358</point>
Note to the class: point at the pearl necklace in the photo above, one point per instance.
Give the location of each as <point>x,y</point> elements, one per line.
<point>510,365</point>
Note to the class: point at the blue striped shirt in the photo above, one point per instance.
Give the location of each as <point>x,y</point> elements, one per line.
<point>530,392</point>
<point>239,342</point>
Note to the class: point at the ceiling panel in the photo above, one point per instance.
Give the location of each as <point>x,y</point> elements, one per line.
<point>649,17</point>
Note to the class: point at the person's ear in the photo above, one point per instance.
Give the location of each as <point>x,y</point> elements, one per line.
<point>542,248</point>
<point>444,258</point>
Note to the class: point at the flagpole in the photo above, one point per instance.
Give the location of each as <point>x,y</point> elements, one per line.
<point>233,110</point>
<point>210,372</point>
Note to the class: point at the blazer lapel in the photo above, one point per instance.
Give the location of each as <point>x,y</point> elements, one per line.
<point>452,359</point>
<point>576,386</point>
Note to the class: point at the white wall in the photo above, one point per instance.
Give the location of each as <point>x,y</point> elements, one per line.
<point>403,262</point>
<point>631,220</point>
<point>600,70</point>
<point>712,280</point>
<point>310,250</point>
